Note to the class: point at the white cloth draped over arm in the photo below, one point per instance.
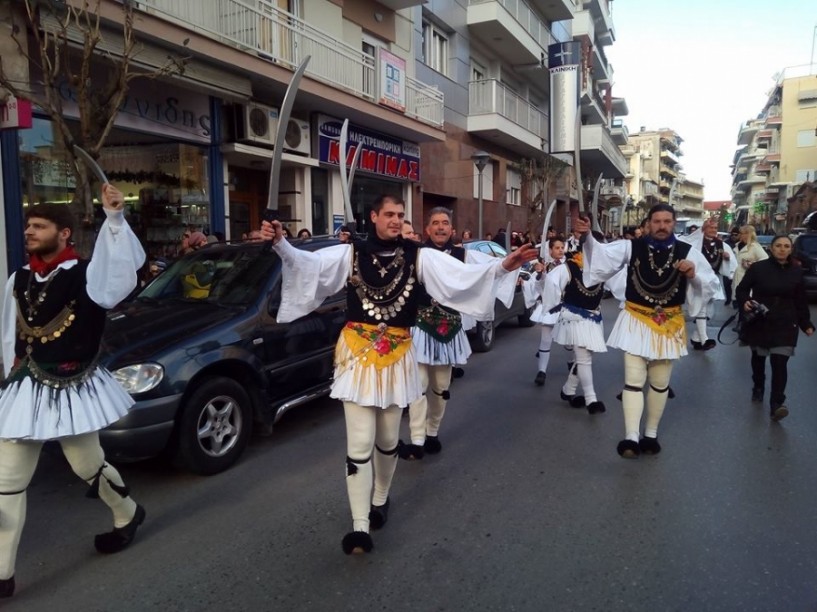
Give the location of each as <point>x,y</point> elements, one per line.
<point>555,282</point>
<point>467,288</point>
<point>729,266</point>
<point>504,283</point>
<point>602,261</point>
<point>704,287</point>
<point>9,325</point>
<point>117,257</point>
<point>532,288</point>
<point>618,285</point>
<point>308,278</point>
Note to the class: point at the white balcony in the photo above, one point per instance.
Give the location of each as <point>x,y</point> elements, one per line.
<point>600,153</point>
<point>497,113</point>
<point>620,133</point>
<point>555,10</point>
<point>264,30</point>
<point>603,18</point>
<point>747,132</point>
<point>511,29</point>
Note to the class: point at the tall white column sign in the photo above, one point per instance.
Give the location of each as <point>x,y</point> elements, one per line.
<point>563,63</point>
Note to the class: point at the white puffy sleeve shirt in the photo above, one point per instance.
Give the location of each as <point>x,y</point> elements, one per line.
<point>311,277</point>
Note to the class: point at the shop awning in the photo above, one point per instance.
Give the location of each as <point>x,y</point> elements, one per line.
<point>248,156</point>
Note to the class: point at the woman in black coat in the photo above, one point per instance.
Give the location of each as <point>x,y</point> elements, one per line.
<point>777,284</point>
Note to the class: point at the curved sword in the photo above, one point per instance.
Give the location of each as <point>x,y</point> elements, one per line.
<point>91,163</point>
<point>349,217</point>
<point>543,246</point>
<point>508,238</point>
<point>621,221</point>
<point>594,207</point>
<point>352,167</point>
<point>280,136</point>
<point>577,159</point>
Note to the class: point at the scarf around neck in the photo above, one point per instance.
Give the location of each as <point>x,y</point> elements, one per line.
<point>44,268</point>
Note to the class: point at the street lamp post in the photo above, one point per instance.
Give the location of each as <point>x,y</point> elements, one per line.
<point>480,159</point>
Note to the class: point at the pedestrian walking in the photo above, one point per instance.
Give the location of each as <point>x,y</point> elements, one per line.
<point>52,321</point>
<point>773,300</point>
<point>663,273</point>
<point>749,252</point>
<point>376,372</point>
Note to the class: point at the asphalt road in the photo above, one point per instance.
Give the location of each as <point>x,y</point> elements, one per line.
<point>527,508</point>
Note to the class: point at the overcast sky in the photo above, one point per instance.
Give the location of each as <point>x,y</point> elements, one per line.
<point>702,68</point>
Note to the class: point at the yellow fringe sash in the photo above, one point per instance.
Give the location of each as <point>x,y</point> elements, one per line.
<point>377,345</point>
<point>668,322</point>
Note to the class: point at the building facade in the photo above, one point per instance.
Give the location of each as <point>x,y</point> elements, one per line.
<point>777,153</point>
<point>193,151</point>
<point>489,58</point>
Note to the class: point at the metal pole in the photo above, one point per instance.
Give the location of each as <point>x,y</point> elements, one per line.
<point>479,211</point>
<point>813,38</point>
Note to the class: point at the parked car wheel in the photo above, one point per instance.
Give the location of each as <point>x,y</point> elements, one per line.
<point>483,339</point>
<point>524,318</point>
<point>215,426</point>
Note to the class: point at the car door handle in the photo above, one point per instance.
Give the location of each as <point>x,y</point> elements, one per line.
<point>257,341</point>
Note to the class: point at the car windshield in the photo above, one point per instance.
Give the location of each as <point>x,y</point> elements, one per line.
<point>229,275</point>
<point>807,244</point>
<point>764,239</point>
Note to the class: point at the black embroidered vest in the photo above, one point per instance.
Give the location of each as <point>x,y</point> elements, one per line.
<point>713,252</point>
<point>65,324</point>
<point>652,278</point>
<point>383,287</point>
<point>577,294</point>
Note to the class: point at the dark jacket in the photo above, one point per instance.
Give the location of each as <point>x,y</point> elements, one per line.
<point>780,288</point>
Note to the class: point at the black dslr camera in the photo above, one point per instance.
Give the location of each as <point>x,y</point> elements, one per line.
<point>757,311</point>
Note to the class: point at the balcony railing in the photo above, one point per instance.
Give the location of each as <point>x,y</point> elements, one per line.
<point>261,28</point>
<point>490,96</point>
<point>530,22</point>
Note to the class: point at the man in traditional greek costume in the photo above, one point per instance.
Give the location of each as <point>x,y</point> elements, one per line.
<point>720,257</point>
<point>376,372</point>
<point>662,274</point>
<point>440,342</point>
<point>52,322</point>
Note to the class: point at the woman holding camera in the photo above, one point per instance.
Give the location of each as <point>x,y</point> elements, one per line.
<point>773,301</point>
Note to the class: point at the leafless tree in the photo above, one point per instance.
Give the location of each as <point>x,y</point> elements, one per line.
<point>62,42</point>
<point>541,177</point>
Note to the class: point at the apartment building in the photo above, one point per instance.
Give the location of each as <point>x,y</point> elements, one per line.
<point>489,59</point>
<point>777,153</point>
<point>655,174</point>
<point>194,150</point>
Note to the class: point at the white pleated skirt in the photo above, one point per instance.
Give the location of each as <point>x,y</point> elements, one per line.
<point>574,330</point>
<point>634,337</point>
<point>543,317</point>
<point>30,410</point>
<point>394,385</point>
<point>431,351</point>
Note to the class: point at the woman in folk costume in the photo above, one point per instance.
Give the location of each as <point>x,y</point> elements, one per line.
<point>52,322</point>
<point>376,372</point>
<point>579,326</point>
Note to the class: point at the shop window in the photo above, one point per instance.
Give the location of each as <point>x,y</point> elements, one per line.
<point>164,182</point>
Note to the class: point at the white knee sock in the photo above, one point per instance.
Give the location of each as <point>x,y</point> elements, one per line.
<point>86,457</point>
<point>659,375</point>
<point>18,460</point>
<point>572,383</point>
<point>545,342</point>
<point>584,370</point>
<point>700,330</point>
<point>632,398</point>
<point>360,433</point>
<point>418,409</point>
<point>438,389</point>
<point>385,456</point>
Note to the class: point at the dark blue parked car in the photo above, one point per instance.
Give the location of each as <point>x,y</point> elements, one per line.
<point>201,353</point>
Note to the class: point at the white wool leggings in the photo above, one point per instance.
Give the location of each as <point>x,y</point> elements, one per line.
<point>371,457</point>
<point>581,372</point>
<point>426,412</point>
<point>637,372</point>
<point>545,341</point>
<point>18,460</point>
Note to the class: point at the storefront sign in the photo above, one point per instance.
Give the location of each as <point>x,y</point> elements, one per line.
<point>380,154</point>
<point>392,80</point>
<point>563,63</point>
<point>15,114</point>
<point>157,108</point>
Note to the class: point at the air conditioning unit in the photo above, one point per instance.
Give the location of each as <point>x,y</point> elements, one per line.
<point>296,138</point>
<point>256,123</point>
